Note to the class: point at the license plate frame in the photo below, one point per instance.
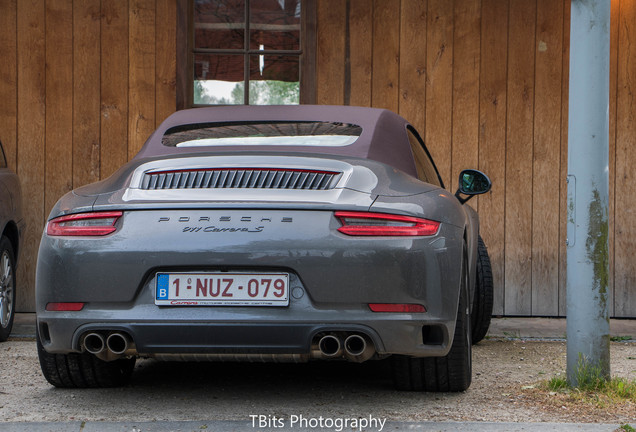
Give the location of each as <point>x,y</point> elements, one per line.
<point>221,289</point>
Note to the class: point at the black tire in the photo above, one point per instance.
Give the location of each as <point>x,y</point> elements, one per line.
<point>83,370</point>
<point>483,296</point>
<point>7,288</point>
<point>451,373</point>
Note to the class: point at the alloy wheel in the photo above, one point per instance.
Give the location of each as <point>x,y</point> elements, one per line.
<point>6,289</point>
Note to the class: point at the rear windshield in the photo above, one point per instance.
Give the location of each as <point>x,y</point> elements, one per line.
<point>321,134</point>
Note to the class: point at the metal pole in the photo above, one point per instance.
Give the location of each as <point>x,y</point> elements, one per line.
<point>588,192</point>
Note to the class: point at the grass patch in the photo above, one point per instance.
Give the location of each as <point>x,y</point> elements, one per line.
<point>595,398</point>
<point>557,384</point>
<point>612,393</point>
<point>620,338</point>
<point>627,428</point>
<point>593,387</point>
<point>512,335</point>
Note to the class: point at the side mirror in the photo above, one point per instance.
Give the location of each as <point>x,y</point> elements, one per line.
<point>472,182</point>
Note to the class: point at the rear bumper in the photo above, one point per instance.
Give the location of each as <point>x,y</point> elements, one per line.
<point>390,336</point>
<point>245,329</point>
<point>333,278</point>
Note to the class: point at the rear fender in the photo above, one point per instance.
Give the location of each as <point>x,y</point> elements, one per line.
<point>472,235</point>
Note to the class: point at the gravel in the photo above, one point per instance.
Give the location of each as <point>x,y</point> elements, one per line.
<point>505,373</point>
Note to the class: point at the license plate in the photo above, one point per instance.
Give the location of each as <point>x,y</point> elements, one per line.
<point>222,289</point>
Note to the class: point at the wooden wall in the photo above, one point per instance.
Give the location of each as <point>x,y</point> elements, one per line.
<point>486,83</point>
<point>82,85</point>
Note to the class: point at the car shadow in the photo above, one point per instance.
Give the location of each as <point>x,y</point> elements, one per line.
<point>168,390</point>
<point>264,377</point>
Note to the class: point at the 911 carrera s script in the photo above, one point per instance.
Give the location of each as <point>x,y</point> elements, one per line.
<point>213,229</point>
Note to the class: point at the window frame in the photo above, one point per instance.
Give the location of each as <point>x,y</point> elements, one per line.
<point>185,54</point>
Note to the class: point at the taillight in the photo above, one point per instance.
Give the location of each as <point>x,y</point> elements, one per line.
<point>84,224</point>
<point>383,224</point>
<point>397,307</point>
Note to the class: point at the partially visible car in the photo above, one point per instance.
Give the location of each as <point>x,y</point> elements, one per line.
<point>289,233</point>
<point>12,225</point>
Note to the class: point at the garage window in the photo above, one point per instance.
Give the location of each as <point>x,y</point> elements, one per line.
<point>253,52</point>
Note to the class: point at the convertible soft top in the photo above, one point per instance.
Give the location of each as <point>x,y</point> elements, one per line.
<point>378,127</point>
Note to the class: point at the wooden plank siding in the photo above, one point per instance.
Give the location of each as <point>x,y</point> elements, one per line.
<point>486,83</point>
<point>165,59</point>
<point>520,89</point>
<point>9,80</point>
<point>31,138</point>
<point>386,54</point>
<point>439,84</point>
<point>614,32</point>
<point>59,101</point>
<point>465,104</point>
<point>141,72</point>
<point>412,68</point>
<point>330,52</point>
<point>360,53</point>
<point>86,91</point>
<point>492,135</point>
<point>546,163</point>
<point>625,180</point>
<point>114,86</point>
<point>82,84</point>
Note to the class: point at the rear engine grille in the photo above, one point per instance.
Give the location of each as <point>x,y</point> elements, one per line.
<point>251,178</point>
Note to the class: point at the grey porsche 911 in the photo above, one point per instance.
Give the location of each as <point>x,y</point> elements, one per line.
<point>286,234</point>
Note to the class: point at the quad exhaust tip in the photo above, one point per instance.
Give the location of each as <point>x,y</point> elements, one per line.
<point>330,346</point>
<point>355,345</point>
<point>117,343</point>
<point>108,346</point>
<point>94,343</point>
<point>352,346</point>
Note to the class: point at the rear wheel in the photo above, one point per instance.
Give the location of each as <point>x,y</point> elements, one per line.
<point>7,288</point>
<point>451,373</point>
<point>483,296</point>
<point>83,370</point>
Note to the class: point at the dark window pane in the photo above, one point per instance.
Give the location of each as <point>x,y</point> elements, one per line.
<point>274,80</point>
<point>275,24</point>
<point>274,67</point>
<point>3,160</point>
<point>219,24</point>
<point>218,79</point>
<point>425,167</point>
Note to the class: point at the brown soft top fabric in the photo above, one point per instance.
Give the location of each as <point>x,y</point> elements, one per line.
<point>383,139</point>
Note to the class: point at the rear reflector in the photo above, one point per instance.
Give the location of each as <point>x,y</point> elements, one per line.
<point>397,307</point>
<point>383,224</point>
<point>84,224</point>
<point>60,307</point>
